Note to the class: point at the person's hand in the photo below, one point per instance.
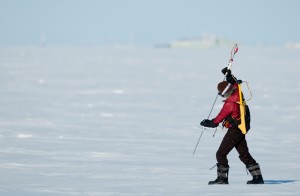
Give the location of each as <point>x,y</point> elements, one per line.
<point>229,77</point>
<point>208,123</point>
<point>226,70</point>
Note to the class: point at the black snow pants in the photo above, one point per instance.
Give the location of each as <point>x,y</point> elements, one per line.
<point>234,138</point>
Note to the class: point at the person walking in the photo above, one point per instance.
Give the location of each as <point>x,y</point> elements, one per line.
<point>229,116</point>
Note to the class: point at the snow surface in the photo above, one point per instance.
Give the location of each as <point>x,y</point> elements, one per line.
<point>125,121</point>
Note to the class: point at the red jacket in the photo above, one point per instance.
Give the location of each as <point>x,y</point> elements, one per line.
<point>230,108</point>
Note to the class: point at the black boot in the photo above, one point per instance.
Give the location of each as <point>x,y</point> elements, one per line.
<point>254,170</point>
<point>222,172</point>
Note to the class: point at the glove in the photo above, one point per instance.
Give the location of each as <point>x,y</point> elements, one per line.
<point>225,69</point>
<point>208,123</point>
<point>229,77</point>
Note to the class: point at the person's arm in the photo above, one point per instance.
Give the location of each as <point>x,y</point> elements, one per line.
<point>225,111</point>
<point>229,77</point>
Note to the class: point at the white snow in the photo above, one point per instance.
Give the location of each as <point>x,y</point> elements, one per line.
<point>124,121</point>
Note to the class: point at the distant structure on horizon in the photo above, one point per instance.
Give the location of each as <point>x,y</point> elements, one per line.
<point>207,41</point>
<point>295,45</point>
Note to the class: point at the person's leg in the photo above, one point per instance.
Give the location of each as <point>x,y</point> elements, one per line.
<point>228,143</point>
<point>244,155</point>
<point>250,163</point>
<point>230,140</point>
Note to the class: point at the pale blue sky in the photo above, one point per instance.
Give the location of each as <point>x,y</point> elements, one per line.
<point>147,22</point>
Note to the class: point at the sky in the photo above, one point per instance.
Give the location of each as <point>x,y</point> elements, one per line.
<point>145,22</point>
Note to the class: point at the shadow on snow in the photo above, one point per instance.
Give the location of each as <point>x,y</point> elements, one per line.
<point>279,181</point>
